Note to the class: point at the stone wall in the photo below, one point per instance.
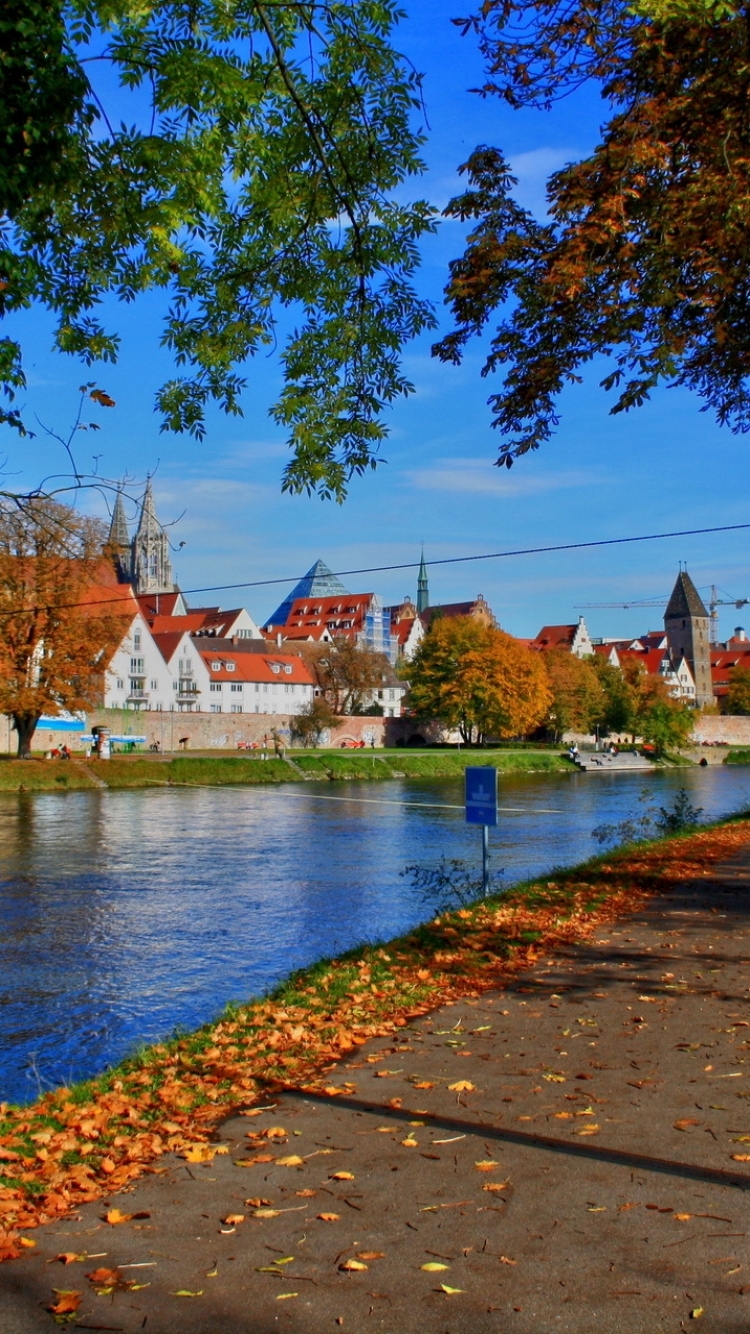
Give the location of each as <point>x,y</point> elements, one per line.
<point>720,730</point>
<point>219,731</point>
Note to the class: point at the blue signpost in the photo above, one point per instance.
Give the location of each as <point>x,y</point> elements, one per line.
<point>481,808</point>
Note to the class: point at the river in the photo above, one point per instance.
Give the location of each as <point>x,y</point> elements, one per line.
<point>128,915</point>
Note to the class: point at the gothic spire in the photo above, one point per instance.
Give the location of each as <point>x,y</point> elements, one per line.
<point>423,593</point>
<point>152,568</point>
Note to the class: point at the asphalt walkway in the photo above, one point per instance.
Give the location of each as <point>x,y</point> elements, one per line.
<point>570,1154</point>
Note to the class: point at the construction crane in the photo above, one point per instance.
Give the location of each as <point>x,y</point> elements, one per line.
<point>713,604</point>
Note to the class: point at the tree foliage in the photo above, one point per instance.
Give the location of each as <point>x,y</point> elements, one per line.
<point>738,694</point>
<point>60,613</point>
<point>477,679</point>
<point>262,171</point>
<point>312,721</point>
<point>644,258</point>
<point>578,698</point>
<point>345,673</point>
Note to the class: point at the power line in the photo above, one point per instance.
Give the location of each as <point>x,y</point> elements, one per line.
<point>413,565</point>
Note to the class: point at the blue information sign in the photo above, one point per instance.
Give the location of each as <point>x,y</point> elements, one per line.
<point>481,796</point>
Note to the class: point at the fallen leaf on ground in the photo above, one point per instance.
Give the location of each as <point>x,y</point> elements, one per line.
<point>685,1122</point>
<point>371,1255</point>
<point>434,1267</point>
<point>291,1160</point>
<point>741,1157</point>
<point>504,1259</point>
<point>683,1218</point>
<point>266,1213</point>
<point>284,1296</point>
<point>232,1219</point>
<point>184,1292</point>
<point>114,1216</point>
<point>352,1264</point>
<point>342,1176</point>
<point>257,1201</point>
<point>486,1165</point>
<point>450,1291</point>
<point>275,1132</point>
<point>423,1084</point>
<point>67,1303</point>
<point>463,1086</point>
<point>410,1143</point>
<point>26,1241</point>
<point>588,1130</point>
<point>496,1185</point>
<point>328,1218</point>
<point>70,1257</point>
<point>199,1153</point>
<point>696,1313</point>
<point>305,1194</point>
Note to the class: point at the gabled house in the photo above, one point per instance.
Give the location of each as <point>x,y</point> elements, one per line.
<point>573,639</point>
<point>233,681</point>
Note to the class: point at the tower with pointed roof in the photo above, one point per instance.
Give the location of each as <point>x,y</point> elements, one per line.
<point>423,592</point>
<point>151,568</point>
<point>119,541</point>
<point>687,625</point>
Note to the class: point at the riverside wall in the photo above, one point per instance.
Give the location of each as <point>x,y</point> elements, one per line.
<point>222,731</point>
<point>721,730</point>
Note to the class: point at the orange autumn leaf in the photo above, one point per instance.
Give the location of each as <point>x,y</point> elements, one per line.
<point>66,1303</point>
<point>342,1176</point>
<point>371,1255</point>
<point>114,1216</point>
<point>292,1160</point>
<point>423,1084</point>
<point>328,1218</point>
<point>486,1165</point>
<point>463,1086</point>
<point>231,1220</point>
<point>352,1266</point>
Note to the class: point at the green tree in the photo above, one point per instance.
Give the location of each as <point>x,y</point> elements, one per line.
<point>578,698</point>
<point>618,705</point>
<point>644,258</point>
<point>667,725</point>
<point>738,694</point>
<point>312,721</point>
<point>61,613</point>
<point>477,679</point>
<point>266,174</point>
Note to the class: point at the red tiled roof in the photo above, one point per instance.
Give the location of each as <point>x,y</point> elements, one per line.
<point>256,666</point>
<point>449,609</point>
<point>168,643</point>
<point>343,614</point>
<point>554,636</point>
<point>157,604</point>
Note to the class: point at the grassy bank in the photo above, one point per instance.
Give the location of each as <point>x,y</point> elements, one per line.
<point>88,1141</point>
<point>122,771</point>
<point>739,756</point>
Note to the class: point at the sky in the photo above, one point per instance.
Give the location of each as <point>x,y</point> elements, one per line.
<point>666,466</point>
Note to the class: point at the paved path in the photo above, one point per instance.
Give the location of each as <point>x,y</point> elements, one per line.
<point>586,1184</point>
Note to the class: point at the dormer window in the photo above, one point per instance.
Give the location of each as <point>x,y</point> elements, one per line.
<point>287,669</point>
<point>231,666</point>
<point>215,666</point>
<point>275,668</point>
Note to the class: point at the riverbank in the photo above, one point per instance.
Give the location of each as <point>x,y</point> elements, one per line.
<point>136,771</point>
<point>83,1143</point>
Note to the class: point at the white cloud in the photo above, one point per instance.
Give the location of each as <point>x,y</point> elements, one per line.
<point>532,171</point>
<point>477,476</point>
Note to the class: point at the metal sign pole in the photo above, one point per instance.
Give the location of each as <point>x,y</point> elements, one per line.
<point>481,808</point>
<point>485,861</point>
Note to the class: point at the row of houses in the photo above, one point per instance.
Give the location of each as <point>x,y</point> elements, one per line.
<point>188,659</point>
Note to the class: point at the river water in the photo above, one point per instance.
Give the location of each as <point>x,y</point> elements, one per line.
<point>125,916</point>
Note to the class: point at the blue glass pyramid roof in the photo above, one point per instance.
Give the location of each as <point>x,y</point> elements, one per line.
<point>319,582</point>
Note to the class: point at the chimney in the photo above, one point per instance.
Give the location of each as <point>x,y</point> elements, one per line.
<point>739,633</point>
<point>278,639</point>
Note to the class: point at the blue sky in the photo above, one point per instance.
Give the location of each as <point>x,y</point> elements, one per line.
<point>667,466</point>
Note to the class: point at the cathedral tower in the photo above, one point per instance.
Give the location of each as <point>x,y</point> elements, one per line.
<point>687,623</point>
<point>151,567</point>
<point>119,542</point>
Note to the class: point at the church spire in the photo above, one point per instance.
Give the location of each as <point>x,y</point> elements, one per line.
<point>152,568</point>
<point>423,593</point>
<point>119,540</point>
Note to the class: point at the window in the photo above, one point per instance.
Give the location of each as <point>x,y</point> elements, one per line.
<point>236,687</point>
<point>154,685</point>
<point>214,685</point>
<point>215,666</point>
<point>244,634</point>
<point>236,708</point>
<point>288,669</point>
<point>186,667</point>
<point>174,685</point>
<point>216,708</point>
<point>137,666</point>
<point>257,687</point>
<point>137,640</point>
<point>120,685</point>
<point>230,666</point>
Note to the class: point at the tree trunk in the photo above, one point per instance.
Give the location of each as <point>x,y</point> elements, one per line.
<point>25,726</point>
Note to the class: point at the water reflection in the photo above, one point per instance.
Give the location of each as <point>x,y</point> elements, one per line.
<point>127,914</point>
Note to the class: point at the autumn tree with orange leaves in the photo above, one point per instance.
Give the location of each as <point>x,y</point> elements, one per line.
<point>578,699</point>
<point>477,679</point>
<point>643,258</point>
<point>61,614</point>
